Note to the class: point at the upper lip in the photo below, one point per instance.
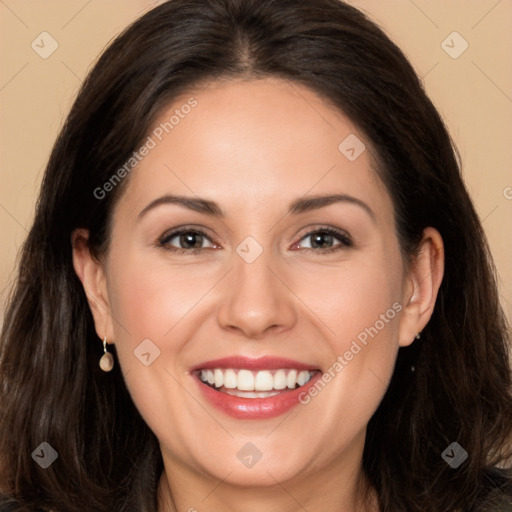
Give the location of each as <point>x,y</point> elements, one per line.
<point>254,363</point>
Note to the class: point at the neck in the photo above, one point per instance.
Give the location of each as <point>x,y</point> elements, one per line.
<point>338,487</point>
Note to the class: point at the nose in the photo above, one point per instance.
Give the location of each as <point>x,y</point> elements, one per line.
<point>257,300</point>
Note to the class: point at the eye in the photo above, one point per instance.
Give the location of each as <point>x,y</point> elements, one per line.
<point>321,240</point>
<point>324,240</point>
<point>186,240</point>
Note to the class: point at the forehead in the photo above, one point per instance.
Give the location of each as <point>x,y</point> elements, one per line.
<point>254,144</point>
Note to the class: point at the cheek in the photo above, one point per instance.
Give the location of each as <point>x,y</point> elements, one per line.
<point>359,305</point>
<point>149,297</point>
<point>154,309</point>
<point>357,299</point>
<point>151,306</point>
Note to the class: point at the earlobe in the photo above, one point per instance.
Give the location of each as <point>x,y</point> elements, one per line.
<point>91,273</point>
<point>422,286</point>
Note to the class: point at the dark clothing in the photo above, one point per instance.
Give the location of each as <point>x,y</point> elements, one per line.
<point>496,495</point>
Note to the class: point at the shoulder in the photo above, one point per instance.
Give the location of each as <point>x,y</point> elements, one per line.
<point>496,495</point>
<point>8,505</point>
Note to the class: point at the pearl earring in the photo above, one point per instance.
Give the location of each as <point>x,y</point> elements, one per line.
<point>107,359</point>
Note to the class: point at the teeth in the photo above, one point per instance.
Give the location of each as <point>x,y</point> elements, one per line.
<point>245,380</point>
<point>302,378</point>
<point>291,379</point>
<point>280,379</point>
<point>219,378</point>
<point>252,394</point>
<point>261,382</point>
<point>230,380</point>
<point>264,381</point>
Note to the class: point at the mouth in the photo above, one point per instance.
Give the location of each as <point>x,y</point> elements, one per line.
<point>254,384</point>
<point>261,388</point>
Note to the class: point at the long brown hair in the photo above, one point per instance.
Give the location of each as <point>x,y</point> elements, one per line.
<point>52,389</point>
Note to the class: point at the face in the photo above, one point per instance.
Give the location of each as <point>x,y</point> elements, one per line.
<point>250,249</point>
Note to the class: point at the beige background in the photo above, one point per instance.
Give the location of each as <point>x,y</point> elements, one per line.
<point>473,93</point>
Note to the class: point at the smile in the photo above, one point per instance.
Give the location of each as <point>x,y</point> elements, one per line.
<point>254,384</point>
<point>248,388</point>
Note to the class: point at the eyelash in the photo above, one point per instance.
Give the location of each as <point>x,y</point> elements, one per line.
<point>344,239</point>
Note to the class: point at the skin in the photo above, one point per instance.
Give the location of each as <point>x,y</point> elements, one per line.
<point>253,147</point>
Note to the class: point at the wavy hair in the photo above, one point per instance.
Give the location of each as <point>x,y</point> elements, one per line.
<point>51,387</point>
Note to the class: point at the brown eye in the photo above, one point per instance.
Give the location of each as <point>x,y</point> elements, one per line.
<point>190,240</point>
<point>186,240</point>
<point>321,240</point>
<point>326,239</point>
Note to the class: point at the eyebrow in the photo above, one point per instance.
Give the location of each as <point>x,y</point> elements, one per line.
<point>192,203</point>
<point>307,204</point>
<point>301,205</point>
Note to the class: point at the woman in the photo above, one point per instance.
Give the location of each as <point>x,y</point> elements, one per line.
<point>254,221</point>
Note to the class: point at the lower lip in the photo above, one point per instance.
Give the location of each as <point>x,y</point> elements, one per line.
<point>256,408</point>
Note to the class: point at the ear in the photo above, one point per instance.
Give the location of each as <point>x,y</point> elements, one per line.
<point>421,286</point>
<point>91,273</point>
